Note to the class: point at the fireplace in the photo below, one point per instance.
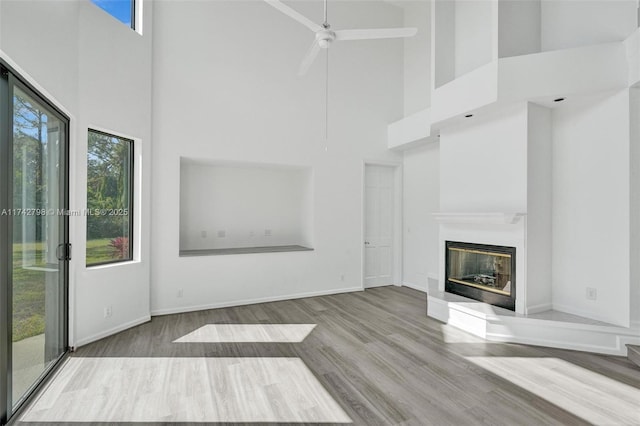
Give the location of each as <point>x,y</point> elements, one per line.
<point>482,272</point>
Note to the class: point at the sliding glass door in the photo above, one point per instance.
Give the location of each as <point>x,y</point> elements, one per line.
<point>34,250</point>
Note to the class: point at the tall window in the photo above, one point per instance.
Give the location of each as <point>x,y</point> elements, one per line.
<point>123,10</point>
<point>109,198</point>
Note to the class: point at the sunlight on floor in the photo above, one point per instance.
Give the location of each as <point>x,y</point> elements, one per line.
<point>452,334</point>
<point>591,396</point>
<point>185,390</point>
<point>248,333</point>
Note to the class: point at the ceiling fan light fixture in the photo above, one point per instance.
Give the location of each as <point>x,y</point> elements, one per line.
<point>325,38</point>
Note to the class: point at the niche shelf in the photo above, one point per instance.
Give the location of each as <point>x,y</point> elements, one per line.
<point>243,250</point>
<point>239,208</point>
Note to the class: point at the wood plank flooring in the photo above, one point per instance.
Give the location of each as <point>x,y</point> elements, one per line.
<point>376,355</point>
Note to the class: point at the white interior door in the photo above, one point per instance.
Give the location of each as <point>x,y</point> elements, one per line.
<point>378,225</point>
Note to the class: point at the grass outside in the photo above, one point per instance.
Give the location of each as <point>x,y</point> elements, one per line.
<point>99,251</point>
<point>28,291</point>
<point>29,284</point>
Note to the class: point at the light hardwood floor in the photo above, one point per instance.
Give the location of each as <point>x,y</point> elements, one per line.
<point>373,358</point>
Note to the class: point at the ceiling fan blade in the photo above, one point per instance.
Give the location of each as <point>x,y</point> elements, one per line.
<point>309,58</point>
<point>375,33</point>
<point>295,15</point>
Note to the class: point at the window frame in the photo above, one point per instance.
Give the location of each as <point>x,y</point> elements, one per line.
<point>134,9</point>
<point>133,15</point>
<point>12,77</point>
<point>131,171</point>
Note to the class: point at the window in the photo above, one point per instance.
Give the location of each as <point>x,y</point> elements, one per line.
<point>122,10</point>
<point>109,198</point>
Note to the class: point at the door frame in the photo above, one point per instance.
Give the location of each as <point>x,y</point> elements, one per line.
<point>397,218</point>
<point>22,79</point>
<point>72,180</point>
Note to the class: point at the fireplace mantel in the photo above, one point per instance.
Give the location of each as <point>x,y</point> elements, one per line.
<point>445,218</point>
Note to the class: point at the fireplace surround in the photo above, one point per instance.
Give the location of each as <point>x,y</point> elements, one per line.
<point>482,272</point>
<point>534,320</point>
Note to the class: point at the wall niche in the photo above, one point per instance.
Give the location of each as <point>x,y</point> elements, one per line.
<point>240,207</point>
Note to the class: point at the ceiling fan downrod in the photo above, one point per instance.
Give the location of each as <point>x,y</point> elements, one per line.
<point>326,19</point>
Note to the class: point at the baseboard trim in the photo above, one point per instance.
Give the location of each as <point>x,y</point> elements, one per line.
<point>414,286</point>
<point>111,331</point>
<point>536,309</point>
<point>616,350</point>
<point>584,314</point>
<point>183,309</point>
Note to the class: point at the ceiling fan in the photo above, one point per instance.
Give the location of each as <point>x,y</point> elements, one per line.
<point>325,35</point>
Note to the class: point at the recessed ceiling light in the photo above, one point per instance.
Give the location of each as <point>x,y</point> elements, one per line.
<point>558,99</point>
<point>468,116</point>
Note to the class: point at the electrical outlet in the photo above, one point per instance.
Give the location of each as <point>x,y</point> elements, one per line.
<point>180,292</point>
<point>108,311</point>
<point>252,234</point>
<point>592,293</point>
<point>341,277</point>
<point>267,232</point>
<point>203,234</point>
<point>222,234</point>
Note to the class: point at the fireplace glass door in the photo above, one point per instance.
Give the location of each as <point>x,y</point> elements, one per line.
<point>482,272</point>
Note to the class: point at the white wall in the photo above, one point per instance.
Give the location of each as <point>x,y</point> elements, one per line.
<point>634,117</point>
<point>632,51</point>
<point>474,23</point>
<point>591,210</point>
<point>443,42</point>
<point>573,23</point>
<point>529,26</point>
<point>242,101</point>
<point>417,57</point>
<point>539,207</point>
<point>483,164</point>
<point>421,189</point>
<point>23,25</point>
<point>114,95</point>
<point>97,70</point>
<point>518,27</point>
<point>243,205</point>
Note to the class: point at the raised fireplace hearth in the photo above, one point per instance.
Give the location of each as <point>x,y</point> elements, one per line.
<point>482,272</point>
<point>533,321</point>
